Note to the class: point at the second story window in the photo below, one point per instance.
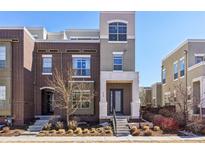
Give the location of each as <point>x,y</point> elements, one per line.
<point>175,70</point>
<point>2,57</point>
<point>47,64</point>
<point>117,31</point>
<point>164,76</point>
<point>117,62</point>
<point>182,67</point>
<point>81,65</point>
<point>199,59</point>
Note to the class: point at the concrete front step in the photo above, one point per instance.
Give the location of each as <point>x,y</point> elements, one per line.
<point>47,117</point>
<point>122,127</point>
<point>41,122</point>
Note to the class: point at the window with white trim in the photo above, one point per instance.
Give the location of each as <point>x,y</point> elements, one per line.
<point>2,57</point>
<point>175,70</point>
<point>117,31</point>
<point>81,66</point>
<point>81,100</point>
<point>182,67</point>
<point>2,92</point>
<point>47,64</point>
<point>164,76</point>
<point>199,59</point>
<point>117,62</point>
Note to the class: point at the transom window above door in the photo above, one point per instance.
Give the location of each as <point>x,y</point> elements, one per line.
<point>81,65</point>
<point>117,31</point>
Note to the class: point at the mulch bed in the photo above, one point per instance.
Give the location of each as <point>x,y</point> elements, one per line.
<point>14,132</point>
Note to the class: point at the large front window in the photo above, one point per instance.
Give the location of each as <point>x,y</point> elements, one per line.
<point>47,64</point>
<point>117,31</point>
<point>81,99</point>
<point>182,67</point>
<point>175,71</point>
<point>81,66</point>
<point>2,93</point>
<point>117,62</point>
<point>164,76</point>
<point>2,57</point>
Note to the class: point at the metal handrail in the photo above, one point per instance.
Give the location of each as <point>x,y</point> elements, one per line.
<point>114,121</point>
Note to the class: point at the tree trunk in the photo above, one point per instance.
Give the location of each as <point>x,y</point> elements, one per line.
<point>67,118</point>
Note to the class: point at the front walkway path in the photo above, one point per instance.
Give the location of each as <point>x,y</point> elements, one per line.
<point>128,139</point>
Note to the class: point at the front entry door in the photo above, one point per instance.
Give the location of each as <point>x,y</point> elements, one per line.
<point>116,98</point>
<point>47,106</point>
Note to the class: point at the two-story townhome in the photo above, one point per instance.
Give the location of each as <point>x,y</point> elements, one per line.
<point>103,58</point>
<point>175,72</point>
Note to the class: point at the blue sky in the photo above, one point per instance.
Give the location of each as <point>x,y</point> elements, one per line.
<point>157,33</point>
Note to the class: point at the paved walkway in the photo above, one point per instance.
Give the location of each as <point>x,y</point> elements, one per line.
<point>128,139</point>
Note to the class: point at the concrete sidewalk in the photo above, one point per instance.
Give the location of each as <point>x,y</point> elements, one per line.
<point>128,139</point>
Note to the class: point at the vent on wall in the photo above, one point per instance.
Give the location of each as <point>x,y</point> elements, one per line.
<point>53,50</point>
<point>73,50</point>
<point>42,50</point>
<point>90,50</point>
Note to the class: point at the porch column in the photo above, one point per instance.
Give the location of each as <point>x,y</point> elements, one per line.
<point>103,100</point>
<point>135,105</point>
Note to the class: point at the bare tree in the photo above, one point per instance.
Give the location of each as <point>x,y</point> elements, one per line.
<point>142,98</point>
<point>69,93</point>
<point>182,101</point>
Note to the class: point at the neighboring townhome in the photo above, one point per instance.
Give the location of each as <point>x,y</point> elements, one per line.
<point>176,76</point>
<point>103,58</point>
<point>156,99</point>
<point>145,95</point>
<point>119,89</point>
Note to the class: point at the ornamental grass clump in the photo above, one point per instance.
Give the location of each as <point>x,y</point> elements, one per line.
<point>47,126</point>
<point>100,130</point>
<point>108,128</point>
<point>156,128</point>
<point>53,131</point>
<point>78,131</point>
<point>133,129</point>
<point>108,132</point>
<point>61,131</point>
<point>59,125</point>
<point>136,132</point>
<point>86,131</point>
<point>145,127</point>
<point>93,131</point>
<point>148,132</point>
<point>70,132</point>
<point>72,124</point>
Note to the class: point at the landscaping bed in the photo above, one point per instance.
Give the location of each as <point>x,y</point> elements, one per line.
<point>146,130</point>
<point>58,129</point>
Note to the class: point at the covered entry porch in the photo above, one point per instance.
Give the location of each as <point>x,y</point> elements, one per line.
<point>119,91</point>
